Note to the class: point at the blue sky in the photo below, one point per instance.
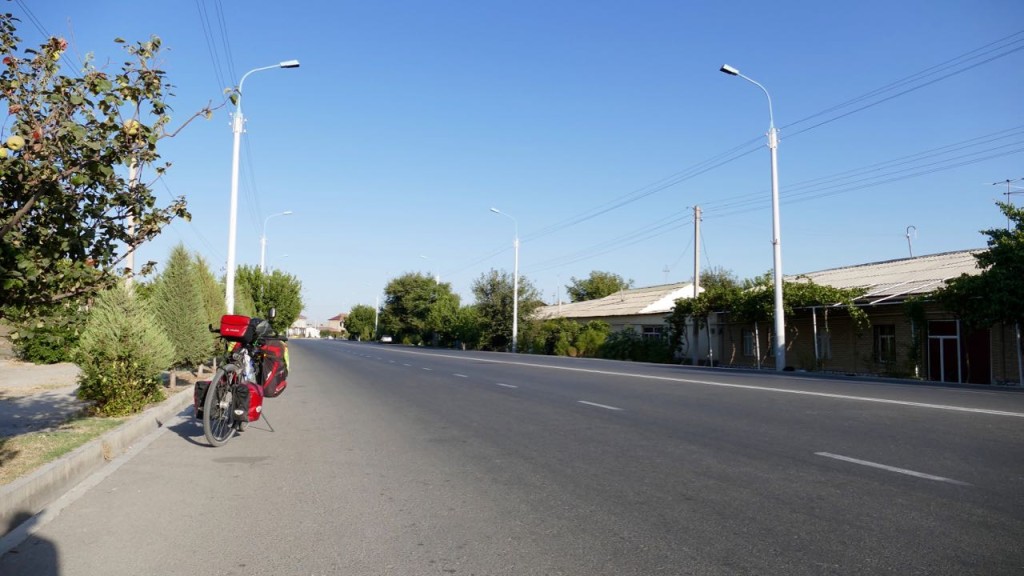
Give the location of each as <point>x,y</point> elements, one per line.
<point>598,125</point>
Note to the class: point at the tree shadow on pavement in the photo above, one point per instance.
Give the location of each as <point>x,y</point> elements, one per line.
<point>6,454</point>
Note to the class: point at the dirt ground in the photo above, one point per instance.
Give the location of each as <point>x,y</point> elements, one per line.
<point>36,397</point>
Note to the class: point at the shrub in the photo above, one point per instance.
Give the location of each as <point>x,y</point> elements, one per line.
<point>628,345</point>
<point>122,353</point>
<point>592,338</point>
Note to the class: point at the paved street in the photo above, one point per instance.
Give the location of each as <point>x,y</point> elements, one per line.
<point>402,461</point>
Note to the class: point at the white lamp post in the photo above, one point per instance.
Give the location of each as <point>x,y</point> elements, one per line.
<point>773,144</point>
<point>236,127</point>
<point>515,283</point>
<point>263,239</point>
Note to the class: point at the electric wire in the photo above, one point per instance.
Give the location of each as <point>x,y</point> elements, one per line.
<point>734,154</point>
<point>211,45</point>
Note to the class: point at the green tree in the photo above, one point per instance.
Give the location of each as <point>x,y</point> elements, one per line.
<point>122,353</point>
<point>244,305</point>
<point>443,318</point>
<point>65,207</point>
<point>417,307</point>
<point>48,335</point>
<point>360,322</point>
<point>494,298</point>
<point>468,327</point>
<point>177,301</point>
<point>597,285</point>
<point>996,295</point>
<point>211,290</point>
<point>278,290</point>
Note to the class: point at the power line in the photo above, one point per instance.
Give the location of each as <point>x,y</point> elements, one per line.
<point>1008,45</point>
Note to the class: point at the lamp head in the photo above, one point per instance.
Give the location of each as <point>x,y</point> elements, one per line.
<point>289,64</point>
<point>286,213</point>
<point>729,70</point>
<point>495,210</point>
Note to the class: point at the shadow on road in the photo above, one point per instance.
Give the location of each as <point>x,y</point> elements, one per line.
<point>36,555</point>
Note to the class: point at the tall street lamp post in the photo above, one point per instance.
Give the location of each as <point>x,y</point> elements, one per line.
<point>515,283</point>
<point>237,127</point>
<point>773,144</point>
<point>263,239</point>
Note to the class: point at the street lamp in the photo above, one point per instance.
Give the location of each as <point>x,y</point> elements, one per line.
<point>515,283</point>
<point>263,239</point>
<point>236,127</point>
<point>773,144</point>
<point>436,275</point>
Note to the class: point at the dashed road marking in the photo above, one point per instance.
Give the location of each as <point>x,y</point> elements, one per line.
<point>595,404</point>
<point>891,468</point>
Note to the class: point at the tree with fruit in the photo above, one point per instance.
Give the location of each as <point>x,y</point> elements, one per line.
<point>69,210</point>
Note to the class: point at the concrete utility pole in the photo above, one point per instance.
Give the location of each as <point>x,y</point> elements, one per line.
<point>773,145</point>
<point>237,125</point>
<point>695,346</point>
<point>1020,357</point>
<point>133,175</point>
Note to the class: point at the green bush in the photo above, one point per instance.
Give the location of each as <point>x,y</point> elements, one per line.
<point>122,354</point>
<point>628,345</point>
<point>592,338</point>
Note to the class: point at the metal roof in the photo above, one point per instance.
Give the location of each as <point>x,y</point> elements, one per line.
<point>636,301</point>
<point>897,279</point>
<point>891,280</point>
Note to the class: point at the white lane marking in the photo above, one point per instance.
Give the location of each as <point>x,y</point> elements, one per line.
<point>891,468</point>
<point>457,375</point>
<point>735,386</point>
<point>429,369</point>
<point>605,406</point>
<point>502,384</point>
<point>407,365</point>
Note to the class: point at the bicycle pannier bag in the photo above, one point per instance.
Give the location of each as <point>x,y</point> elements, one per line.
<point>275,367</point>
<point>237,328</point>
<point>247,402</point>
<point>199,397</point>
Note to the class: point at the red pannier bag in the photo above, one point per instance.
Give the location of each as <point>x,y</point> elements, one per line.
<point>274,372</point>
<point>247,401</point>
<point>237,328</point>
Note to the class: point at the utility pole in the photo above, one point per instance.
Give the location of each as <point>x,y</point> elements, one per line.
<point>695,352</point>
<point>133,175</point>
<point>1008,192</point>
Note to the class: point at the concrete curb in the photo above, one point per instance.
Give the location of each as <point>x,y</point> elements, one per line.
<point>30,495</point>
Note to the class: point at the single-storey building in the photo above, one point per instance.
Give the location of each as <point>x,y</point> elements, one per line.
<point>909,335</point>
<point>644,310</point>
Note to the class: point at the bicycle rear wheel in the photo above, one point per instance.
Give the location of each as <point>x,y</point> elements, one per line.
<point>218,417</point>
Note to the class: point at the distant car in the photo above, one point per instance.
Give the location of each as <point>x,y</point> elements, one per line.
<point>385,339</point>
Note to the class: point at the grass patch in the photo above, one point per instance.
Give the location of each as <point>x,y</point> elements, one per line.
<point>20,455</point>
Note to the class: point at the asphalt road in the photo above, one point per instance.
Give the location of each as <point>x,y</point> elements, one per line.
<point>401,461</point>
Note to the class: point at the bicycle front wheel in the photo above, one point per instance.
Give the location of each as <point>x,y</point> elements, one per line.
<point>218,417</point>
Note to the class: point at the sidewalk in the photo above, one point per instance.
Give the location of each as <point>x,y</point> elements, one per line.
<point>34,398</point>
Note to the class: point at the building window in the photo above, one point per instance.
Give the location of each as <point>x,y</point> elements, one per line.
<point>653,332</point>
<point>748,342</point>
<point>885,343</point>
